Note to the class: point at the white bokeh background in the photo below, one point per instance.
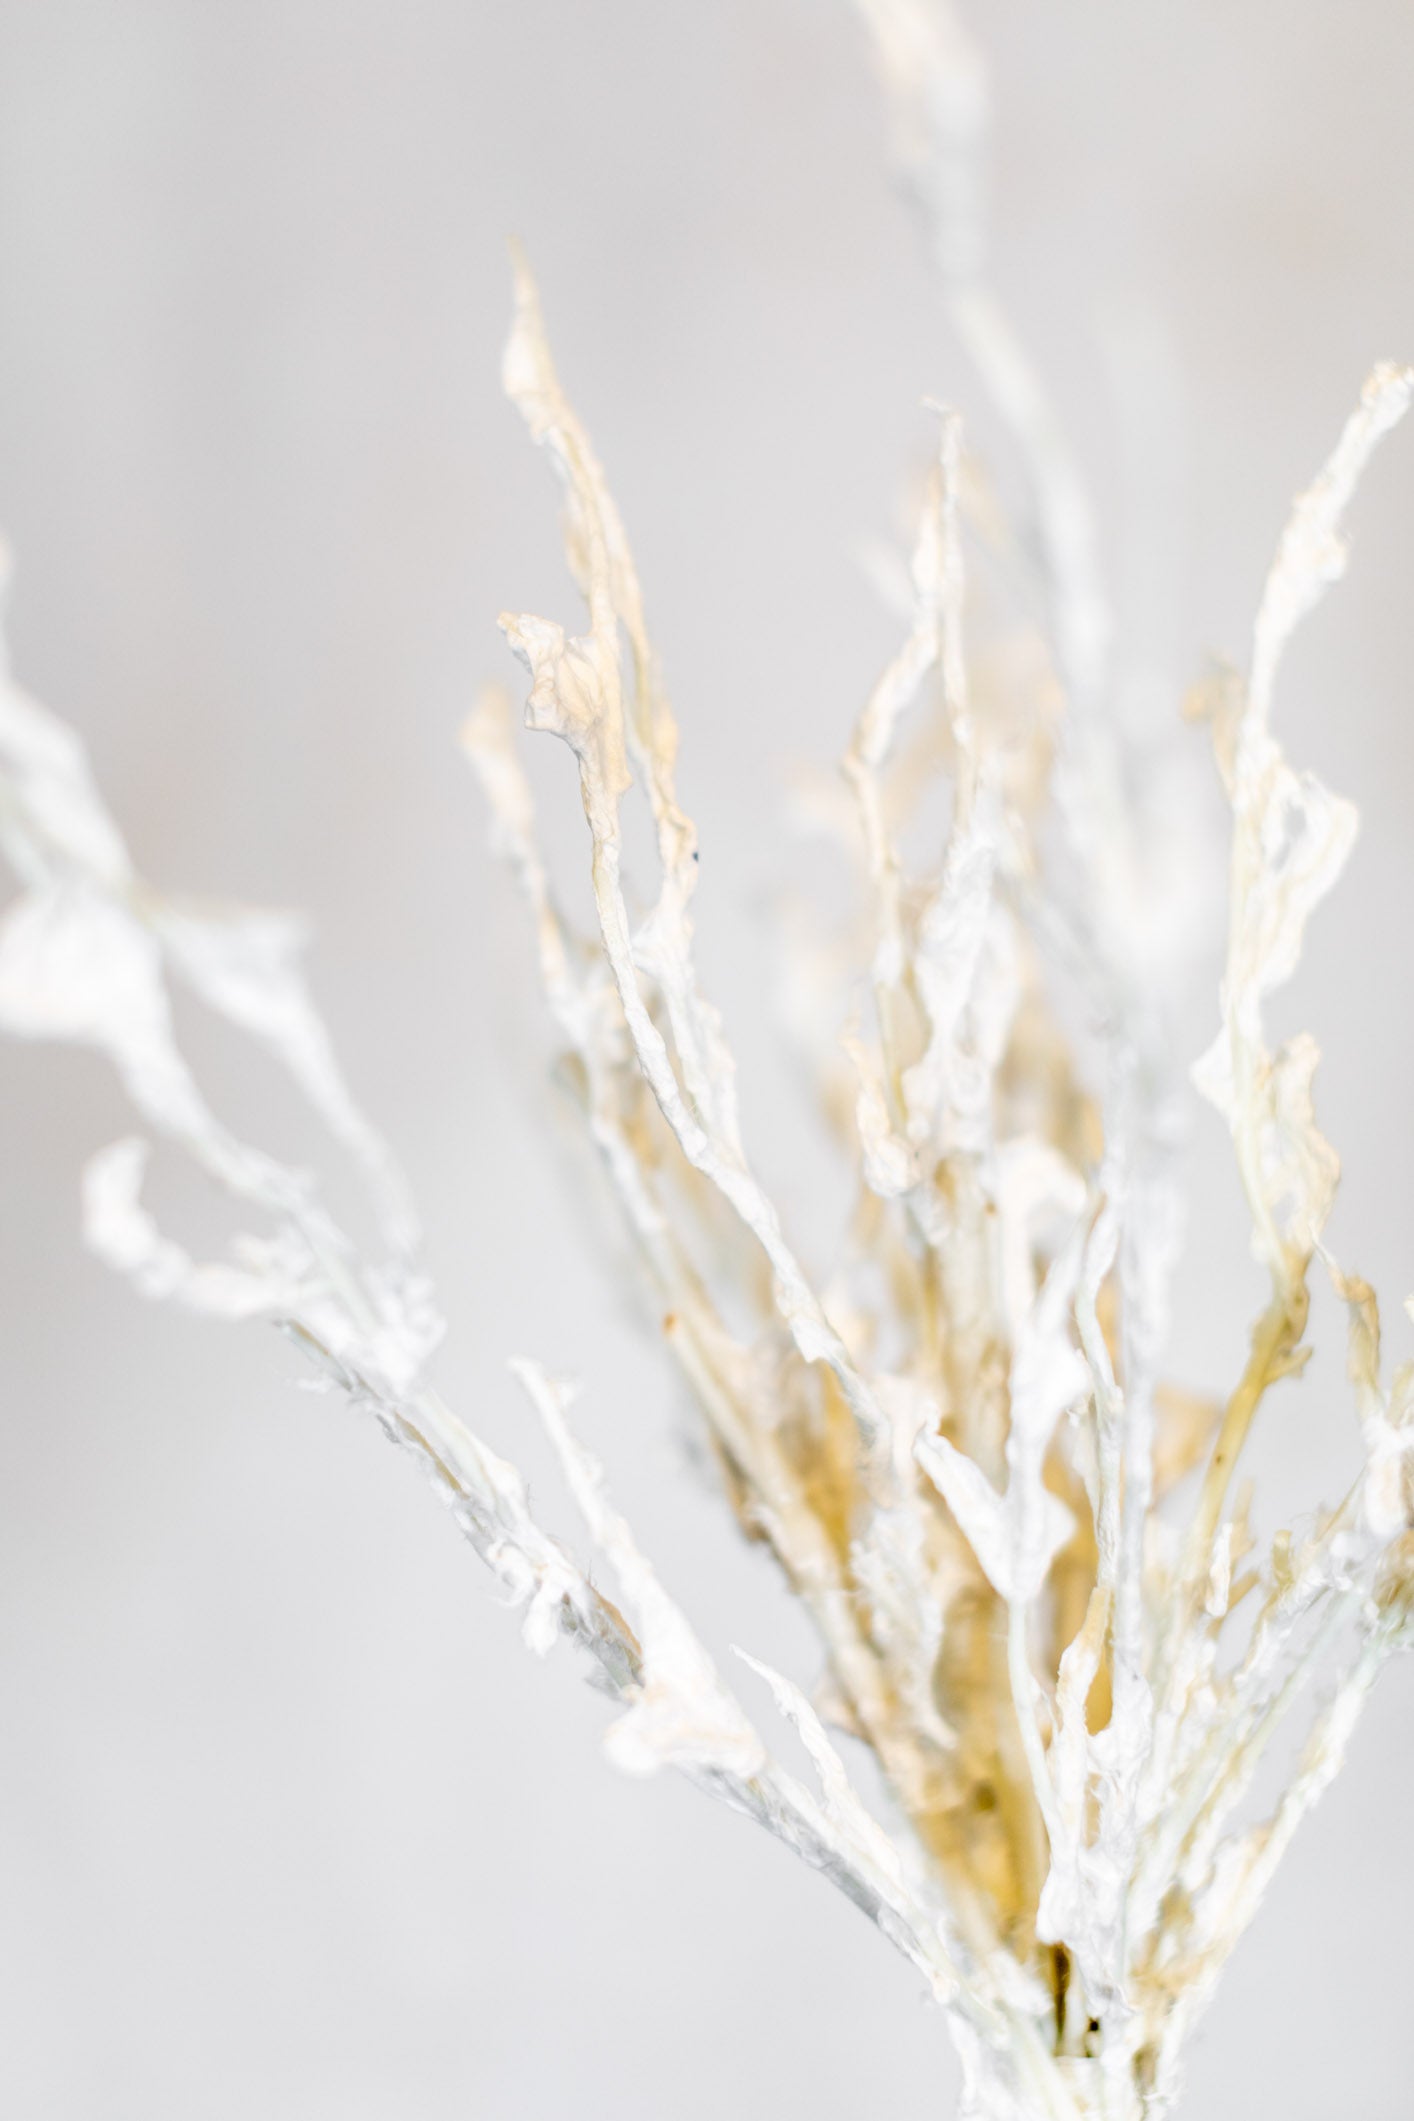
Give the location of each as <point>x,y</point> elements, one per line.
<point>289,1823</point>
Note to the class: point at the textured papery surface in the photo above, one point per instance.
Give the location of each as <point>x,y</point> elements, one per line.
<point>1044,1684</point>
<point>1041,1602</point>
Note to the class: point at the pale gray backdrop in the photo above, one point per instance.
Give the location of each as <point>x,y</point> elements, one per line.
<point>289,1823</point>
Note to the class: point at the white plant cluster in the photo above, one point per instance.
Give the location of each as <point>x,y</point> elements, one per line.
<point>1040,1600</point>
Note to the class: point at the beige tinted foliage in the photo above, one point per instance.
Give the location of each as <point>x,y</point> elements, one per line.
<point>1037,1602</point>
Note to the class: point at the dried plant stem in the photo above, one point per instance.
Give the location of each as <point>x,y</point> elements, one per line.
<point>959,1448</point>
